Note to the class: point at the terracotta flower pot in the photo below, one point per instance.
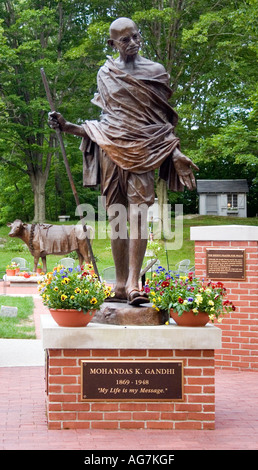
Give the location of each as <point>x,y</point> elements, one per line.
<point>71,318</point>
<point>39,270</point>
<point>10,272</point>
<point>189,318</point>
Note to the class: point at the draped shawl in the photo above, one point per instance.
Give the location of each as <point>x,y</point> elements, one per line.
<point>136,125</point>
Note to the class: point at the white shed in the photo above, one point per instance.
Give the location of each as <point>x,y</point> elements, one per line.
<point>223,197</point>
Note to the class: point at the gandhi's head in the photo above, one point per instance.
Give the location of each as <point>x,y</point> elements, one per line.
<point>125,37</point>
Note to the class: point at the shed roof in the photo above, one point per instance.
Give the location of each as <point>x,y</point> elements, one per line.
<point>222,186</point>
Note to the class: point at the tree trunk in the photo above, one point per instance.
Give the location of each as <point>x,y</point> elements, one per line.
<point>38,183</point>
<point>161,190</point>
<point>38,176</point>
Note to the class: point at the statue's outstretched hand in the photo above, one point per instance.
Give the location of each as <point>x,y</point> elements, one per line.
<point>184,168</point>
<point>56,121</point>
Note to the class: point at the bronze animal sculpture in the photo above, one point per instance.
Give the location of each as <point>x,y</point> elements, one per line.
<point>44,239</point>
<point>134,136</point>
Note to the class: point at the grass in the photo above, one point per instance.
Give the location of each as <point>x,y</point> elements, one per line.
<point>101,247</point>
<point>22,326</point>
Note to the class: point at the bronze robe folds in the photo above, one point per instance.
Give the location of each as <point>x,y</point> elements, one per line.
<point>136,126</point>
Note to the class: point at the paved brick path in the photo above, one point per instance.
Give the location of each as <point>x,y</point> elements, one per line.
<point>23,422</point>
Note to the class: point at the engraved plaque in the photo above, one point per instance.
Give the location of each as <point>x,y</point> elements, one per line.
<point>131,380</point>
<point>225,264</point>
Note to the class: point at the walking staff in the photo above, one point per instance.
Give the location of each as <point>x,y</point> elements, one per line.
<point>59,136</point>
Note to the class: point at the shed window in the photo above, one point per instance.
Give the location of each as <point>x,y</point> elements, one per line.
<point>232,201</point>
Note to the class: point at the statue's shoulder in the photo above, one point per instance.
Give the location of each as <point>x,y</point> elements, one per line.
<point>155,66</point>
<point>143,68</point>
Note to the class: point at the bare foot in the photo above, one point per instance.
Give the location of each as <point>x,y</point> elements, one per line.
<point>119,294</point>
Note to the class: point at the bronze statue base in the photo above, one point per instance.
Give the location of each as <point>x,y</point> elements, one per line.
<point>116,313</point>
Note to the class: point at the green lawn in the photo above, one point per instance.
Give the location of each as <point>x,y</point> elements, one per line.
<point>102,251</point>
<point>22,326</point>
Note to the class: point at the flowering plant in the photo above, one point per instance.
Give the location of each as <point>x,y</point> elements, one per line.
<point>13,265</point>
<point>183,293</point>
<point>73,288</point>
<point>25,274</point>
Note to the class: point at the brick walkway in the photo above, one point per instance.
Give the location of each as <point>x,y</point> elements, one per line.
<point>23,422</point>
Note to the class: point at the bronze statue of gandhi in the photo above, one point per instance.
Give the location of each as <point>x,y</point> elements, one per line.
<point>133,137</point>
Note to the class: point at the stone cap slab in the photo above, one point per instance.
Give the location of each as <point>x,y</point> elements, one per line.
<point>99,336</point>
<point>224,232</point>
<point>21,280</point>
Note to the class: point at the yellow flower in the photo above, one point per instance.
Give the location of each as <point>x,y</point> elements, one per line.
<point>63,297</point>
<point>72,297</point>
<point>195,310</point>
<point>56,288</point>
<point>65,280</point>
<point>211,302</point>
<point>77,290</point>
<point>167,323</point>
<point>86,291</point>
<point>93,300</point>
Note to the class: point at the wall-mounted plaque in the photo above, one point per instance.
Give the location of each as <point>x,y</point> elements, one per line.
<point>225,264</point>
<point>131,380</point>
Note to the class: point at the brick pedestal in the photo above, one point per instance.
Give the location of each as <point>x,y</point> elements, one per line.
<point>240,328</point>
<point>66,348</point>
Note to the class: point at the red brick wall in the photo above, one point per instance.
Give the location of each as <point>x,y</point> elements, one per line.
<point>66,410</point>
<point>240,328</point>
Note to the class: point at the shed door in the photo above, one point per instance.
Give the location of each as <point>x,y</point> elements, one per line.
<point>211,204</point>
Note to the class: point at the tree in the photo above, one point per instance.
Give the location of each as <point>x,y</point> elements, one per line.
<point>37,34</point>
<point>24,40</point>
<point>209,48</point>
